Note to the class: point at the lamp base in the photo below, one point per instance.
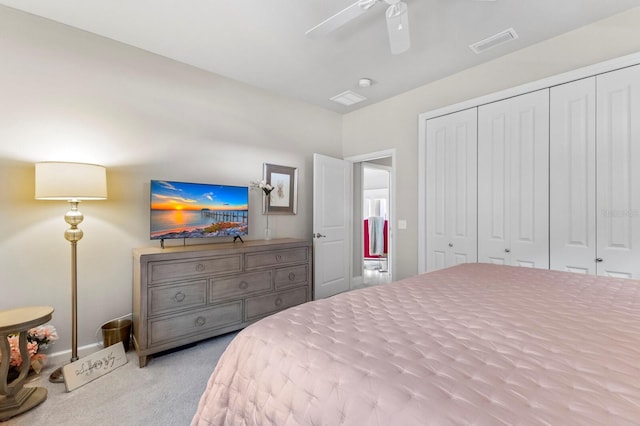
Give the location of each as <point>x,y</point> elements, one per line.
<point>57,376</point>
<point>32,397</point>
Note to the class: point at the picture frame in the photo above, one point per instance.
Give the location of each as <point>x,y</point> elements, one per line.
<point>284,197</point>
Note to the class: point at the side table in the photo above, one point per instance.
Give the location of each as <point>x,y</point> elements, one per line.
<point>14,398</point>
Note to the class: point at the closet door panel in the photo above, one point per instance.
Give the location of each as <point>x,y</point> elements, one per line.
<point>437,204</point>
<point>464,189</point>
<point>618,156</point>
<point>451,189</point>
<point>513,181</point>
<point>573,177</point>
<point>523,181</point>
<point>530,180</point>
<point>493,184</point>
<point>440,184</point>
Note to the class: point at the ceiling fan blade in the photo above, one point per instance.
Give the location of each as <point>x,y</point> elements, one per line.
<point>398,27</point>
<point>339,19</point>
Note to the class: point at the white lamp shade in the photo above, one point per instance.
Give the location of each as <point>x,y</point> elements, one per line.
<point>70,181</point>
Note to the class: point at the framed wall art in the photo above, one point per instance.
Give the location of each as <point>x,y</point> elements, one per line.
<point>284,197</point>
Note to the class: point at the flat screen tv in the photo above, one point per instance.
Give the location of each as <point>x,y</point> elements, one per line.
<point>198,210</point>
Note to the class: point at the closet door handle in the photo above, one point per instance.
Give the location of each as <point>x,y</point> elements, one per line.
<point>507,250</point>
<point>450,245</point>
<point>599,259</point>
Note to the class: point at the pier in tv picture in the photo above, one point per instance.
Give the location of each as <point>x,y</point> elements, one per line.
<point>198,210</point>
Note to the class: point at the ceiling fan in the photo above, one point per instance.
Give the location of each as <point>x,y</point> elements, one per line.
<point>397,22</point>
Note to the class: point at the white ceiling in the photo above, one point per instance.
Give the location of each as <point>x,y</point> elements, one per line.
<point>262,42</point>
<point>375,178</point>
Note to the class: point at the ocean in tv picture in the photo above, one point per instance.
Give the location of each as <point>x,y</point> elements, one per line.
<point>166,224</point>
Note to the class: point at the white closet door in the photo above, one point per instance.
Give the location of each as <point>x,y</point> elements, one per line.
<point>572,173</point>
<point>618,165</point>
<point>451,189</point>
<point>513,181</point>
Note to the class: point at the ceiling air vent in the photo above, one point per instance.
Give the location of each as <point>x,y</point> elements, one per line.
<point>348,98</point>
<point>494,40</point>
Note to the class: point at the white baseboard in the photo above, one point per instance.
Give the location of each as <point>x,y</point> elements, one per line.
<point>63,357</point>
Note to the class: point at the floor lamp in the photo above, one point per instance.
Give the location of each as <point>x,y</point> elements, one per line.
<point>72,182</point>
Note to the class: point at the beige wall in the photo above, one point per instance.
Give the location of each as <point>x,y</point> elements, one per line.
<point>69,95</point>
<point>394,123</point>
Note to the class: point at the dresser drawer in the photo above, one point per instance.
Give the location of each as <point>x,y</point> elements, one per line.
<point>167,299</point>
<point>260,306</point>
<point>201,321</point>
<point>179,269</point>
<point>239,285</point>
<point>276,257</point>
<point>294,275</point>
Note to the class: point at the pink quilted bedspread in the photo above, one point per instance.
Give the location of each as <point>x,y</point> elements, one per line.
<point>473,344</point>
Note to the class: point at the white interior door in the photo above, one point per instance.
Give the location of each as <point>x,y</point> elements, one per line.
<point>572,172</point>
<point>513,181</point>
<point>451,189</point>
<point>332,207</point>
<point>618,156</point>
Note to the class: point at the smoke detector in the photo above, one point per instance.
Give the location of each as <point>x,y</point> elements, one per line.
<point>365,82</point>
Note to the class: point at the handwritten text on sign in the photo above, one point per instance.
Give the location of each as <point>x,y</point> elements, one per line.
<point>89,368</point>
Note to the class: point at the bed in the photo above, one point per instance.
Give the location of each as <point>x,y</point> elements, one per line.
<point>473,344</point>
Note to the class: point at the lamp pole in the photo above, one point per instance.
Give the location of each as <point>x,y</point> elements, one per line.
<point>74,234</point>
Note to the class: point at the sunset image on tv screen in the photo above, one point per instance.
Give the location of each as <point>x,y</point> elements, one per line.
<point>195,210</point>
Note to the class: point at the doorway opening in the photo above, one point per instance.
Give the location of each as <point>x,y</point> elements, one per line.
<point>376,189</point>
<point>373,212</point>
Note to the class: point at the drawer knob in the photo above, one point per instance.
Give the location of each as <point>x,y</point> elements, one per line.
<point>179,297</point>
<point>200,321</point>
<point>244,285</point>
<point>292,276</point>
<point>199,267</point>
<point>278,301</point>
<point>278,258</point>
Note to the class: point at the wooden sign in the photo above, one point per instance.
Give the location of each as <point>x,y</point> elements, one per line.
<point>89,368</point>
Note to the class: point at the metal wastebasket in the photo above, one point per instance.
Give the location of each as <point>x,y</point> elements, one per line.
<point>116,331</point>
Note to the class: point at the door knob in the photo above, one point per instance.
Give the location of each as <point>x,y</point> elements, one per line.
<point>599,259</point>
<point>507,250</point>
<point>319,235</point>
<point>450,245</point>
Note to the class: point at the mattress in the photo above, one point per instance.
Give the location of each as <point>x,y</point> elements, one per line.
<point>474,344</point>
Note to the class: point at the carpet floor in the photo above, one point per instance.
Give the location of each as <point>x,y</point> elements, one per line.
<point>166,392</point>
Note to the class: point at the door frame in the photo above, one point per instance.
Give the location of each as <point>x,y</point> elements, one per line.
<point>357,282</point>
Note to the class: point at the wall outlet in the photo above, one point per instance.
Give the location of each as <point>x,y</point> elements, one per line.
<point>402,224</point>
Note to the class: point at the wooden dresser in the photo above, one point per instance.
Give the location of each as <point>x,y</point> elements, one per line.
<point>189,293</point>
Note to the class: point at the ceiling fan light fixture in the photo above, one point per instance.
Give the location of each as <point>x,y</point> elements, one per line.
<point>396,16</point>
<point>367,4</point>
